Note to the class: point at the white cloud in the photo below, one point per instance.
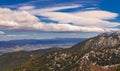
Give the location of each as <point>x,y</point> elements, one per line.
<point>16,19</point>
<point>81,20</point>
<point>67,27</point>
<point>26,7</point>
<point>97,14</point>
<point>1,33</point>
<point>86,21</point>
<point>51,9</point>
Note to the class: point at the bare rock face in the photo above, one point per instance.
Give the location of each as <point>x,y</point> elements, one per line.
<point>103,40</point>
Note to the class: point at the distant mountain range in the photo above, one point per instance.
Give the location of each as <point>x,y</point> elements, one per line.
<point>13,43</point>
<point>100,53</point>
<point>34,44</point>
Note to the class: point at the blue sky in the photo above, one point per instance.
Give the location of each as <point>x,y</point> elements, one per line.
<point>47,19</point>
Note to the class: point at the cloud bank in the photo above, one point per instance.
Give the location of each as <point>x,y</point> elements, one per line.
<point>83,21</point>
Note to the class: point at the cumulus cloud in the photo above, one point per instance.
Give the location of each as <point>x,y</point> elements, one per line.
<point>16,19</point>
<point>86,21</point>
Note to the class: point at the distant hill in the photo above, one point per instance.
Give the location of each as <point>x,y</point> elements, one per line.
<point>100,53</point>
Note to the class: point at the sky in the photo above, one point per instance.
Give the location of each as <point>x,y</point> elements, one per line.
<point>49,19</point>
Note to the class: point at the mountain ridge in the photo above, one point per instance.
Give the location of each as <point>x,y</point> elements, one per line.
<point>100,53</point>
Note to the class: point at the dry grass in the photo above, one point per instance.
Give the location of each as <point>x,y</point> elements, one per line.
<point>103,68</point>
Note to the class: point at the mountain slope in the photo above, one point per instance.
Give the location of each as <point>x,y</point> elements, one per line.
<point>100,53</point>
<point>103,60</point>
<point>9,60</point>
